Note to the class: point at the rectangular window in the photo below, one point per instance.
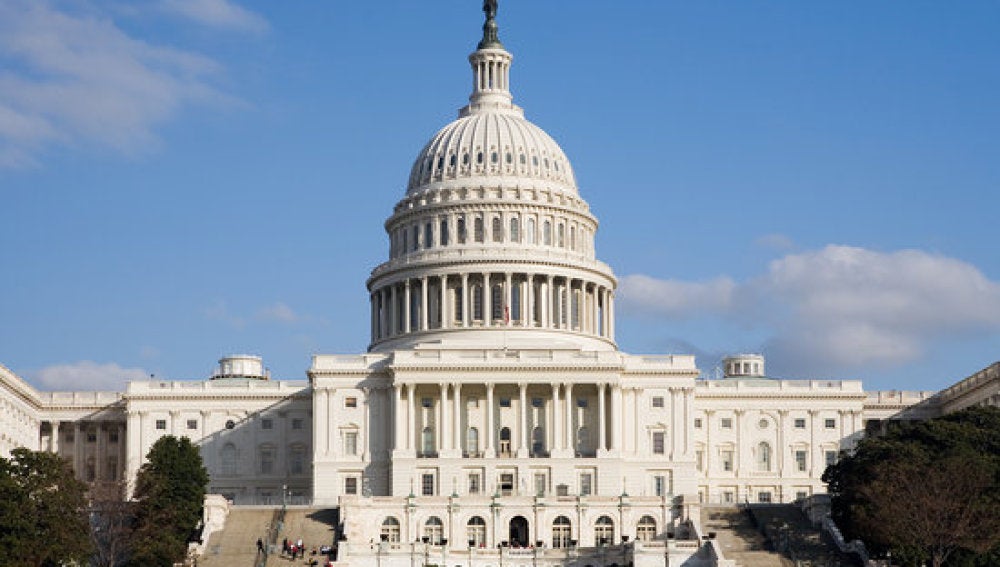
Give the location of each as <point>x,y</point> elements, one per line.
<point>586,484</point>
<point>658,443</point>
<point>540,484</point>
<point>726,423</point>
<point>831,458</point>
<point>298,460</point>
<point>764,497</point>
<point>801,495</point>
<point>427,484</point>
<point>800,423</point>
<point>697,423</point>
<point>351,485</point>
<point>267,423</point>
<point>728,497</point>
<point>351,443</point>
<point>581,402</point>
<point>830,423</point>
<point>727,460</point>
<point>426,402</point>
<point>161,424</point>
<point>111,470</point>
<point>660,485</point>
<point>350,402</point>
<point>266,461</point>
<point>562,490</point>
<point>657,401</point>
<point>536,402</point>
<point>800,460</point>
<point>474,483</point>
<point>506,484</point>
<point>192,424</point>
<point>113,436</point>
<point>297,423</point>
<point>505,402</point>
<point>91,437</point>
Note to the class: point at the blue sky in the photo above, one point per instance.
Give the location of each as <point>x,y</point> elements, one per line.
<point>185,179</point>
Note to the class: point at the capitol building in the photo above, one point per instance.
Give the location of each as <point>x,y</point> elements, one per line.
<point>493,408</point>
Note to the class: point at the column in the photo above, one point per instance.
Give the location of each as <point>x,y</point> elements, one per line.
<point>54,440</point>
<point>423,304</point>
<point>814,452</point>
<point>407,316</point>
<point>568,403</point>
<point>411,418</point>
<point>557,436</point>
<point>101,458</point>
<point>489,449</point>
<point>397,417</point>
<point>465,300</point>
<point>374,325</point>
<point>320,423</point>
<point>738,457</point>
<point>674,426</point>
<point>456,417</point>
<point>616,417</point>
<point>601,419</point>
<point>383,316</point>
<point>175,418</point>
<point>442,419</point>
<point>445,318</point>
<point>783,450</point>
<point>522,410</point>
<point>133,436</point>
<point>508,301</point>
<point>367,431</point>
<point>611,315</point>
<point>707,472</point>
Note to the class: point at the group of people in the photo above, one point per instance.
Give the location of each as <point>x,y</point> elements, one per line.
<point>293,548</point>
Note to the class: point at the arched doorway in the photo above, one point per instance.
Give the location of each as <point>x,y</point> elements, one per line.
<point>518,532</point>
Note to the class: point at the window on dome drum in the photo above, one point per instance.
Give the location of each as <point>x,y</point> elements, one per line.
<point>496,302</point>
<point>434,530</point>
<point>475,532</point>
<point>509,158</point>
<point>440,164</point>
<point>604,531</point>
<point>416,234</point>
<point>583,442</point>
<point>494,158</point>
<point>451,160</point>
<point>505,436</point>
<point>830,423</point>
<point>546,163</point>
<point>515,230</point>
<point>521,159</point>
<point>465,159</point>
<point>657,401</point>
<point>800,460</point>
<point>562,307</point>
<point>444,232</point>
<point>459,304</point>
<point>561,236</point>
<point>415,307</point>
<point>428,235</point>
<point>581,402</point>
<point>504,402</point>
<point>390,530</point>
<point>351,485</point>
<point>497,229</point>
<point>530,230</point>
<point>658,443</point>
<point>534,161</point>
<point>537,402</point>
<point>515,303</point>
<point>800,423</point>
<point>477,302</point>
<point>460,232</point>
<point>646,529</point>
<point>547,233</point>
<point>763,456</point>
<point>575,310</point>
<point>561,528</point>
<point>472,442</point>
<point>477,225</point>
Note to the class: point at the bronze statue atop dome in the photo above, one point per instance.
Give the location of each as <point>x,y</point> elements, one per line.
<point>490,38</point>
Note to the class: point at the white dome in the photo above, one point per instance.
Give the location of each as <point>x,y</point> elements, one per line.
<point>491,145</point>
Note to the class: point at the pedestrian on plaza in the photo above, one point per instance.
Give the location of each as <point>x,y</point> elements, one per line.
<point>260,546</point>
<point>284,546</point>
<point>302,549</point>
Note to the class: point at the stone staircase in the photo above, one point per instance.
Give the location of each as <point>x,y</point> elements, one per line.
<point>791,532</point>
<point>236,544</point>
<point>739,539</point>
<point>315,526</point>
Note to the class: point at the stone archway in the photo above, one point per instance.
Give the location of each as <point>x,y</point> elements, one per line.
<point>518,533</point>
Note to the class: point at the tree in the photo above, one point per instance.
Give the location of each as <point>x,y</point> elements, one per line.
<point>43,520</point>
<point>928,491</point>
<point>169,494</point>
<point>112,523</point>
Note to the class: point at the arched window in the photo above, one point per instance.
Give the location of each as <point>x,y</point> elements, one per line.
<point>515,303</point>
<point>560,235</point>
<point>538,442</point>
<point>472,441</point>
<point>515,230</point>
<point>459,304</point>
<point>444,232</point>
<point>390,530</point>
<point>505,441</point>
<point>604,531</point>
<point>497,229</point>
<point>428,235</point>
<point>477,302</point>
<point>530,229</point>
<point>646,530</point>
<point>547,233</point>
<point>434,530</point>
<point>575,310</point>
<point>406,240</point>
<point>478,229</point>
<point>416,235</point>
<point>763,456</point>
<point>572,238</point>
<point>228,458</point>
<point>427,441</point>
<point>415,306</point>
<point>496,302</point>
<point>475,531</point>
<point>561,532</point>
<point>460,230</point>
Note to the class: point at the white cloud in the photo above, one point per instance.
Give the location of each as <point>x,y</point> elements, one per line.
<point>86,375</point>
<point>217,13</point>
<point>839,307</point>
<point>279,311</point>
<point>76,79</point>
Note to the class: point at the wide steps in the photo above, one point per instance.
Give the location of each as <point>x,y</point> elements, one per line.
<point>315,526</point>
<point>236,544</point>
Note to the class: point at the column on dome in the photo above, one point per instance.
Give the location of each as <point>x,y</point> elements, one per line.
<point>601,419</point>
<point>423,303</point>
<point>487,300</point>
<point>522,410</point>
<point>508,315</point>
<point>443,303</point>
<point>371,319</point>
<point>407,316</point>
<point>465,300</point>
<point>547,299</point>
<point>611,315</point>
<point>456,417</point>
<point>490,446</point>
<point>525,300</point>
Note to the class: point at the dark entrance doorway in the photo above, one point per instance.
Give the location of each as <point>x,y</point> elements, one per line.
<point>518,532</point>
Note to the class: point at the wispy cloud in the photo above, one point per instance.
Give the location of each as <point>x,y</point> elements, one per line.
<point>86,375</point>
<point>775,241</point>
<point>219,311</point>
<point>837,308</point>
<point>75,78</point>
<point>279,311</point>
<point>218,14</point>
